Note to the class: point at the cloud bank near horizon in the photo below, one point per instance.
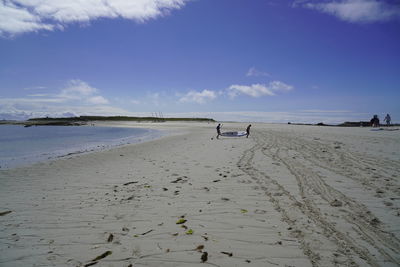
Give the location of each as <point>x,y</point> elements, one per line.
<point>21,16</point>
<point>298,116</point>
<point>75,97</point>
<point>79,98</point>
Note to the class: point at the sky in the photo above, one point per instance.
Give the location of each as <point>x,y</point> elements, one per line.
<point>232,60</point>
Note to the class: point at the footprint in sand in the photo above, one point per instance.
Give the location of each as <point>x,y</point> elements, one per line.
<point>257,211</point>
<point>387,203</point>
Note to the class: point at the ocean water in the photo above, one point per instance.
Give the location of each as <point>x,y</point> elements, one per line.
<point>21,146</point>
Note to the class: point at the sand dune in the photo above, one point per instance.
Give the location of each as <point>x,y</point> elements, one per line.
<point>287,196</point>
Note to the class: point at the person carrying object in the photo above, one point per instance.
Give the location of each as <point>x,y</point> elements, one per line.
<point>218,130</point>
<point>248,131</point>
<point>387,119</point>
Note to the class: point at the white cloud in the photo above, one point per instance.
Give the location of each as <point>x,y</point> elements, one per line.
<point>362,11</point>
<point>254,90</point>
<point>25,100</point>
<point>198,97</point>
<point>77,97</point>
<point>77,89</point>
<point>18,108</point>
<point>19,16</point>
<point>258,90</point>
<point>14,20</point>
<point>256,73</point>
<point>280,86</point>
<point>97,100</point>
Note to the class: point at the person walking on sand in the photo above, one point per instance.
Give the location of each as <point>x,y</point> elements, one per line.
<point>248,131</point>
<point>219,130</point>
<point>387,119</point>
<point>375,121</point>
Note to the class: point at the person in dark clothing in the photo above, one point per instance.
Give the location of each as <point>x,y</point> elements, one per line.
<point>218,130</point>
<point>248,131</point>
<point>375,121</point>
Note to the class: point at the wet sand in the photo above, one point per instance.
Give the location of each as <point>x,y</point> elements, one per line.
<point>288,195</point>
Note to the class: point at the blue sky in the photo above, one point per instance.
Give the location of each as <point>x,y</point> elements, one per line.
<point>242,60</point>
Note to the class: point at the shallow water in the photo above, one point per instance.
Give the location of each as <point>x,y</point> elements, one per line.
<point>26,145</point>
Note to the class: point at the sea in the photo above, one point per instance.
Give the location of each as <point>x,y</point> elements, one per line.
<point>21,146</point>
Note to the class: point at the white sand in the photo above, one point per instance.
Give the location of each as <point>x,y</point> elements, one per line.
<point>287,196</point>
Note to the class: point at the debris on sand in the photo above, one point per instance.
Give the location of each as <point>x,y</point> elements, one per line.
<point>131,197</point>
<point>189,232</point>
<point>102,256</point>
<point>177,180</point>
<point>336,203</point>
<point>200,248</point>
<point>145,233</point>
<point>5,212</point>
<point>204,256</point>
<point>110,238</point>
<point>375,222</point>
<point>230,254</point>
<point>205,237</point>
<point>387,203</point>
<point>181,221</point>
<point>134,182</point>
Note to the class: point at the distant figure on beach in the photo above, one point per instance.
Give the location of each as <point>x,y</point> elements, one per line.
<point>219,130</point>
<point>387,119</point>
<point>248,131</point>
<point>375,121</point>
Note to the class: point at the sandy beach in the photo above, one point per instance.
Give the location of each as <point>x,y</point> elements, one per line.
<point>289,195</point>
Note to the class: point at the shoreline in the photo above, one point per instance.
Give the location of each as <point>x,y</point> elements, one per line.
<point>84,148</point>
<point>287,195</point>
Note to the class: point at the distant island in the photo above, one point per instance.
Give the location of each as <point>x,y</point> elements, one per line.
<point>83,120</point>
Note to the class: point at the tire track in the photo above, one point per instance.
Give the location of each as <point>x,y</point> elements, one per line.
<point>366,243</point>
<point>363,221</point>
<point>303,225</point>
<point>362,169</point>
